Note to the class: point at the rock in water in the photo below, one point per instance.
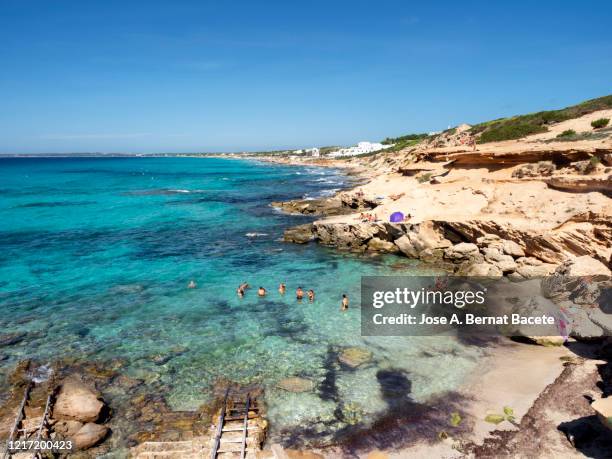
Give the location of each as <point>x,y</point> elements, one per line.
<point>296,384</point>
<point>378,245</point>
<point>8,339</point>
<point>78,402</point>
<point>67,428</point>
<point>354,356</point>
<point>603,408</point>
<point>89,435</point>
<point>299,234</point>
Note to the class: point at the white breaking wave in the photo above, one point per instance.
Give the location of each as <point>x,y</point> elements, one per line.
<point>255,234</point>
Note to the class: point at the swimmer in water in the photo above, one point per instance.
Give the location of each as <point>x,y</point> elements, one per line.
<point>192,284</point>
<point>240,291</point>
<point>282,289</point>
<point>299,293</point>
<point>261,291</point>
<point>345,303</point>
<point>311,295</point>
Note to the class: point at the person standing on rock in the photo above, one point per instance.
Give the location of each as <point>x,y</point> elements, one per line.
<point>345,302</point>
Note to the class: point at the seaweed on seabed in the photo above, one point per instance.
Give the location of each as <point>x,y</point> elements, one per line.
<point>405,423</point>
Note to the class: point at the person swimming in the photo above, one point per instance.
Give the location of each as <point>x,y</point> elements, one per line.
<point>261,291</point>
<point>311,295</point>
<point>240,291</point>
<point>345,303</point>
<point>192,284</point>
<point>299,293</point>
<point>282,289</point>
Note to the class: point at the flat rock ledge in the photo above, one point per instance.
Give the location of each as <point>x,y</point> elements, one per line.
<point>341,204</point>
<point>470,248</point>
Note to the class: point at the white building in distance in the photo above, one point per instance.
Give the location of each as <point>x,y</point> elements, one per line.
<point>314,152</point>
<point>360,149</point>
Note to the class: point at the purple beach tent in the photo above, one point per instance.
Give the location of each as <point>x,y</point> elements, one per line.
<point>396,217</point>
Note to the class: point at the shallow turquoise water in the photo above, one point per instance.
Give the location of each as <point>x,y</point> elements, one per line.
<point>96,254</point>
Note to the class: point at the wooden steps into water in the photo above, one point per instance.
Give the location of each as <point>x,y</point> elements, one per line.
<point>31,419</point>
<point>238,430</point>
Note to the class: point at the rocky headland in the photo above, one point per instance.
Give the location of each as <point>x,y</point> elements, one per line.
<point>536,208</point>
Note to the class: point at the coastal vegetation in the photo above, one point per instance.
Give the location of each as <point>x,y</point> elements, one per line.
<point>520,126</point>
<point>567,133</point>
<point>600,123</point>
<point>404,141</point>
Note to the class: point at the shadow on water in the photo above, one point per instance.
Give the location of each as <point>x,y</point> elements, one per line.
<point>328,390</point>
<point>404,423</point>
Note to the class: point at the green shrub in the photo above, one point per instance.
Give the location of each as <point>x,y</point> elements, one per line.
<point>404,138</point>
<point>424,177</point>
<point>520,126</point>
<point>600,123</point>
<point>567,133</point>
<point>510,132</point>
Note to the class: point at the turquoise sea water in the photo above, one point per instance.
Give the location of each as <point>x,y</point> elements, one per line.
<point>96,254</point>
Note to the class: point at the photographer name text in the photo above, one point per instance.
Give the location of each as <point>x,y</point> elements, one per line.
<point>467,319</point>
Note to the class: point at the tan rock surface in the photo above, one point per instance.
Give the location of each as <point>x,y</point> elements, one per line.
<point>78,402</point>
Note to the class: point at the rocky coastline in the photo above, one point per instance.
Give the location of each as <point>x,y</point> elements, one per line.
<point>524,211</point>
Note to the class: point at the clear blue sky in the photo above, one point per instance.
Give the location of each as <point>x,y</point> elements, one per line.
<point>151,76</point>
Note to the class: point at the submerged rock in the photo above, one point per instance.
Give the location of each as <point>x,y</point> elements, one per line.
<point>8,339</point>
<point>89,435</point>
<point>296,384</point>
<point>67,428</point>
<point>77,402</point>
<point>127,382</point>
<point>354,356</point>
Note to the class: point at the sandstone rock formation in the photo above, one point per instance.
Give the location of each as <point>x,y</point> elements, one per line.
<point>299,234</point>
<point>89,435</point>
<point>77,402</point>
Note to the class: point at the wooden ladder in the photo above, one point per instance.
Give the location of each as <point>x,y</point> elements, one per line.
<point>19,431</point>
<point>234,419</point>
